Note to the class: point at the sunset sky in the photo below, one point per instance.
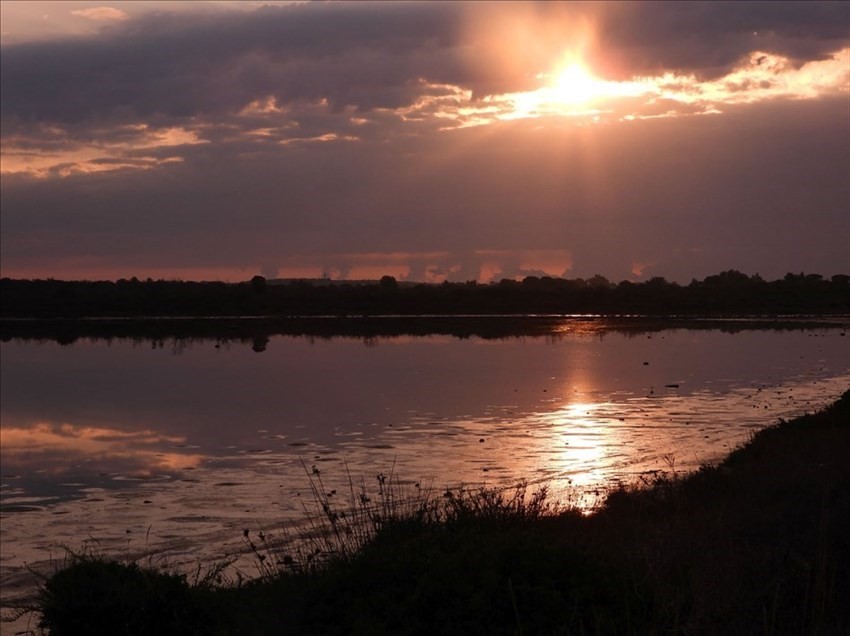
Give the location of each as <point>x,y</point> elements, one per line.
<point>429,141</point>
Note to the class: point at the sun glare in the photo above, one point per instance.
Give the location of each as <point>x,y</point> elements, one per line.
<point>575,85</point>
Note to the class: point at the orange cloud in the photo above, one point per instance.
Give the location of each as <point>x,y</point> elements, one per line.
<point>106,151</point>
<point>102,14</point>
<point>574,92</point>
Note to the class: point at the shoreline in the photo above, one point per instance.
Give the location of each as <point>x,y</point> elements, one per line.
<point>256,328</point>
<point>753,543</point>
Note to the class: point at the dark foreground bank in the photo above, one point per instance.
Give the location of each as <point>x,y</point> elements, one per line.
<point>756,545</point>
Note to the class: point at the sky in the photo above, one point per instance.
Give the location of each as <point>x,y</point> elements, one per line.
<point>427,141</point>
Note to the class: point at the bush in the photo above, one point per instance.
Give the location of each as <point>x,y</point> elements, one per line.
<point>95,596</point>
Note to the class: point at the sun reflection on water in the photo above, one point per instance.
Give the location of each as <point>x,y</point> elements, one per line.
<point>582,439</point>
<point>585,440</point>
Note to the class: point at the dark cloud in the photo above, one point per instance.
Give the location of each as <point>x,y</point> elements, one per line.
<point>182,65</point>
<point>709,38</point>
<point>372,55</point>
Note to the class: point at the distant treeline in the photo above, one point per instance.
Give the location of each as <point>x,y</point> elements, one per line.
<point>729,293</point>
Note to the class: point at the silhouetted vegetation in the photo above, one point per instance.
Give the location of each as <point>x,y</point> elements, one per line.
<point>729,293</point>
<point>754,545</point>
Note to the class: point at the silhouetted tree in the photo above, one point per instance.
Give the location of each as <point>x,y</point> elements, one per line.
<point>729,292</point>
<point>598,280</point>
<point>258,283</point>
<point>388,282</point>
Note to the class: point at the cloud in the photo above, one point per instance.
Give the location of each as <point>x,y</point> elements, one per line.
<point>102,14</point>
<point>45,151</point>
<point>514,195</point>
<point>49,149</point>
<point>372,56</point>
<point>182,66</point>
<point>708,39</point>
<point>350,138</point>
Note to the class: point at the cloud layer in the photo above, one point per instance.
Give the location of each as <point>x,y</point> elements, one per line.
<point>430,141</point>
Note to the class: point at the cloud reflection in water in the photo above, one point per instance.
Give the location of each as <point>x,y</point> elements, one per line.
<point>63,449</point>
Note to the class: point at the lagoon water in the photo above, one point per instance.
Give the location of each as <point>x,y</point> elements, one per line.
<point>173,448</point>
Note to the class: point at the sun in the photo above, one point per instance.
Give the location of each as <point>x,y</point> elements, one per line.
<point>571,89</point>
<point>575,85</point>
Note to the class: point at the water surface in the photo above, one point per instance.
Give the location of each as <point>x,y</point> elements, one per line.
<point>175,447</point>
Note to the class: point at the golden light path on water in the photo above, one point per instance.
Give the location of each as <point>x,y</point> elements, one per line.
<point>583,448</point>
